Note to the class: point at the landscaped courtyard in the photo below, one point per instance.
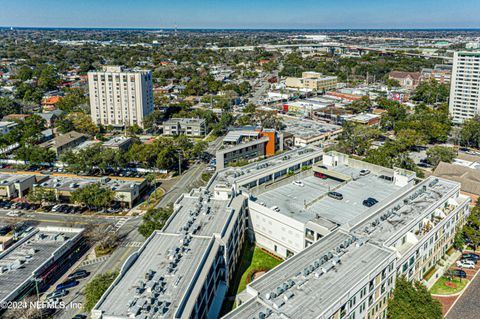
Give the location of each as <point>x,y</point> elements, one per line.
<point>445,286</point>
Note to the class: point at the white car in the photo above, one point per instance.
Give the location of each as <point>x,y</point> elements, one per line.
<point>364,172</point>
<point>466,264</point>
<point>13,214</point>
<point>298,183</point>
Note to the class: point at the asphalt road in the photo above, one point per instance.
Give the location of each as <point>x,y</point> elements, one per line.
<point>468,305</point>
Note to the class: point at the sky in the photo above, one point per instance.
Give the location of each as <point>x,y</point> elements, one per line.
<point>243,14</point>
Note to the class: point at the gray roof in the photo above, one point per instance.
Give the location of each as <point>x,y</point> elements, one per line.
<point>198,215</point>
<point>162,275</point>
<point>468,177</point>
<point>312,288</point>
<point>397,217</point>
<point>311,201</point>
<point>20,261</point>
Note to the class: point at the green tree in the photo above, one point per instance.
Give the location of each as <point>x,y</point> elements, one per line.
<point>249,108</point>
<point>459,240</point>
<point>73,101</point>
<point>360,106</point>
<point>472,227</point>
<point>154,219</point>
<point>437,154</point>
<point>40,195</point>
<point>470,133</point>
<point>49,78</point>
<point>431,92</point>
<point>8,106</point>
<point>93,195</point>
<point>413,301</point>
<point>96,288</point>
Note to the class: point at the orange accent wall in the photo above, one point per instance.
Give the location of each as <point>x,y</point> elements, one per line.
<point>270,147</point>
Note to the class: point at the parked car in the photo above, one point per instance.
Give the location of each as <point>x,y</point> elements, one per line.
<point>67,284</point>
<point>57,294</point>
<point>298,183</point>
<point>320,175</point>
<point>275,208</point>
<point>81,273</point>
<point>459,273</point>
<point>335,195</point>
<point>369,202</point>
<point>79,316</point>
<point>463,263</point>
<point>471,256</point>
<point>364,172</point>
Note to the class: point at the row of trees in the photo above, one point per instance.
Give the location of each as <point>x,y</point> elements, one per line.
<point>163,153</point>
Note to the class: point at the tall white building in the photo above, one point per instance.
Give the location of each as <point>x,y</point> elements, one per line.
<point>120,97</point>
<point>465,86</point>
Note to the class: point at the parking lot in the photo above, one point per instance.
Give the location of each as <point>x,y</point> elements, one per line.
<point>463,305</point>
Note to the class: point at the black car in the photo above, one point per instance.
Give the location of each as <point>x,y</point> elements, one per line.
<point>335,195</point>
<point>369,202</point>
<point>471,256</point>
<point>78,274</point>
<point>79,316</point>
<point>459,273</point>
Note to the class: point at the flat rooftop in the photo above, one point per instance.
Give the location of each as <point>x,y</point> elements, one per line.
<point>242,175</point>
<point>70,184</point>
<point>314,279</point>
<point>307,128</point>
<point>311,201</point>
<point>19,262</point>
<point>153,280</point>
<point>199,214</point>
<point>9,179</point>
<point>409,210</point>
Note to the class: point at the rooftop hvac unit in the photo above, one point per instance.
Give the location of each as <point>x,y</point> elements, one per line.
<point>270,295</point>
<point>288,295</point>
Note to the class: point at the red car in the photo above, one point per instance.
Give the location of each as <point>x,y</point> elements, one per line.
<point>320,175</point>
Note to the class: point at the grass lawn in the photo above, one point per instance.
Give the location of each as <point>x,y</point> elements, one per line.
<point>252,260</point>
<point>444,287</point>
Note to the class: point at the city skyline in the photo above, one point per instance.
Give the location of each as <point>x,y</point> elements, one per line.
<point>306,14</point>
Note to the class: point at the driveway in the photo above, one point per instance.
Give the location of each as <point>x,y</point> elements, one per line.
<point>467,306</point>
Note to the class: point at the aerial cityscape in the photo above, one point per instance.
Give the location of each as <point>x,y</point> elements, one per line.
<point>239,160</point>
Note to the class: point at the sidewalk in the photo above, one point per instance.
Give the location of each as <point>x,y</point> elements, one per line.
<point>441,270</point>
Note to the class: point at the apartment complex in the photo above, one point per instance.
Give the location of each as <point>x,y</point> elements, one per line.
<point>342,256</point>
<point>120,97</point>
<point>185,126</point>
<point>312,82</point>
<point>465,86</point>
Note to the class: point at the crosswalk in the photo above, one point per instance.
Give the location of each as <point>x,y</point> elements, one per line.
<point>94,261</point>
<point>118,225</point>
<point>135,244</point>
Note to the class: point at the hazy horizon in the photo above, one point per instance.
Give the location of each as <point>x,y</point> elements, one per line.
<point>247,14</point>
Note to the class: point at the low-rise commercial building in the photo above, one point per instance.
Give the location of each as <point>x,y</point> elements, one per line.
<point>312,82</point>
<point>248,144</point>
<point>15,185</point>
<point>307,132</point>
<point>185,126</point>
<point>119,143</point>
<point>37,260</point>
<point>127,191</point>
<point>65,142</point>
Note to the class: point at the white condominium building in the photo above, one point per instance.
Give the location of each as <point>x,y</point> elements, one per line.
<point>465,86</point>
<point>120,97</point>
